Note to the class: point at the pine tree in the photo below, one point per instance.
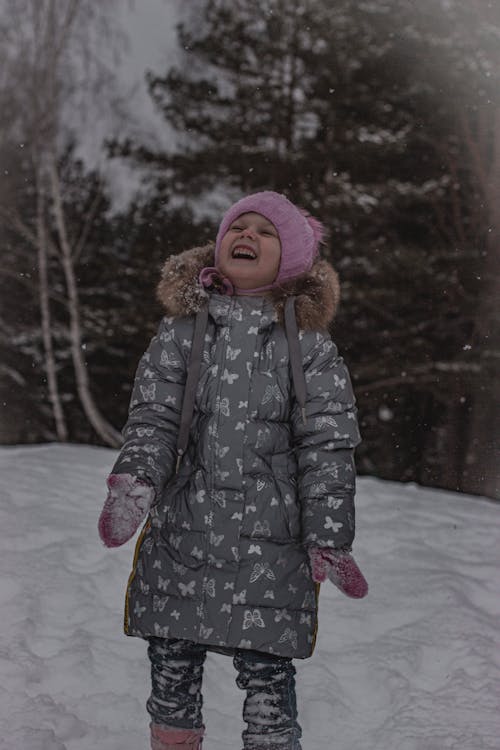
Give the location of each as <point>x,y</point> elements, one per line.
<point>348,109</point>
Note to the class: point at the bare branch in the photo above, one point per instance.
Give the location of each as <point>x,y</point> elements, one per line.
<point>90,215</point>
<point>474,151</point>
<point>419,375</point>
<point>14,220</point>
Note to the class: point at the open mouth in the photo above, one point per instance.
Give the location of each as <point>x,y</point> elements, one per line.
<point>243,253</point>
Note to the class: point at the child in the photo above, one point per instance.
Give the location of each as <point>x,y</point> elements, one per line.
<point>239,450</point>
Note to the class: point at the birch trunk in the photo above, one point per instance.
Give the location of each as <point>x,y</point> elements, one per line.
<point>50,364</point>
<point>103,428</point>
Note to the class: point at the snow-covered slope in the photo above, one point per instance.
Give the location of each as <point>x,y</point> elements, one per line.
<point>414,666</point>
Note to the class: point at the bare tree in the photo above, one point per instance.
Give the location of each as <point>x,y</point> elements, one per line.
<point>52,71</point>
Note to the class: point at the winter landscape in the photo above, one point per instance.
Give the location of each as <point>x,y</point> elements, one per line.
<point>414,666</point>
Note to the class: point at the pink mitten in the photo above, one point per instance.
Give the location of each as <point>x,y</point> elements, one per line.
<point>340,567</point>
<point>127,504</point>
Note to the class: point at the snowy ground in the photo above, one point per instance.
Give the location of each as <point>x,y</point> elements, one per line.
<point>415,666</point>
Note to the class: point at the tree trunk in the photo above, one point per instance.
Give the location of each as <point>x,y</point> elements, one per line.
<point>105,430</point>
<point>482,460</point>
<point>50,364</point>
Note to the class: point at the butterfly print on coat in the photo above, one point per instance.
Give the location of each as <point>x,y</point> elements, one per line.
<point>252,618</point>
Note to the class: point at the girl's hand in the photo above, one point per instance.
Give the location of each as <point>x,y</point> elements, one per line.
<point>340,567</point>
<point>127,504</point>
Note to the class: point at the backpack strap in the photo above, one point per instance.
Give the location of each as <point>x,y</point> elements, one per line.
<point>292,335</point>
<point>193,375</point>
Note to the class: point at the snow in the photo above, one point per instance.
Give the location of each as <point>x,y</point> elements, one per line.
<point>414,666</point>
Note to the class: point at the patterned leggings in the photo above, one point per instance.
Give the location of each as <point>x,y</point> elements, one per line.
<point>270,708</point>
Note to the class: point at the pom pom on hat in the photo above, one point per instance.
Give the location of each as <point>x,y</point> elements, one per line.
<point>300,233</point>
<point>315,224</point>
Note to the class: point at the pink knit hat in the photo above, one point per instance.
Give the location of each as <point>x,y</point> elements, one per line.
<point>299,233</point>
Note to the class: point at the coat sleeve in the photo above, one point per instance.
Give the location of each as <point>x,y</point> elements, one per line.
<point>151,431</point>
<point>325,446</point>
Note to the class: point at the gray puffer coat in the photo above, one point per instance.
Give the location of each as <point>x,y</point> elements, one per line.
<point>222,559</point>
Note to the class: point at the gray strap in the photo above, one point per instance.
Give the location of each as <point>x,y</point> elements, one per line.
<point>193,375</point>
<point>299,381</point>
<point>292,334</point>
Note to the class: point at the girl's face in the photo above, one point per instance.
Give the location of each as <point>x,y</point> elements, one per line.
<point>251,234</point>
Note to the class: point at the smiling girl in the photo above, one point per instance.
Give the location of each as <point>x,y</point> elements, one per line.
<point>239,452</point>
<point>250,253</point>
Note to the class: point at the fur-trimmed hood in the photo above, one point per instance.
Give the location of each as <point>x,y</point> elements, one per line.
<point>317,291</point>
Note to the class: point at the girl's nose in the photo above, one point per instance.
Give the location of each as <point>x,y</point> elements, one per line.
<point>247,231</point>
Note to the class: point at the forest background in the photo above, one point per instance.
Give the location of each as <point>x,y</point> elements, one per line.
<point>380,117</point>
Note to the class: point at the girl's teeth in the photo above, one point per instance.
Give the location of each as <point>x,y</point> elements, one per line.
<point>244,256</point>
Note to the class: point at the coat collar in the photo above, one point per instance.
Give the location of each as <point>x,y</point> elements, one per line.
<point>239,307</point>
<point>317,291</point>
